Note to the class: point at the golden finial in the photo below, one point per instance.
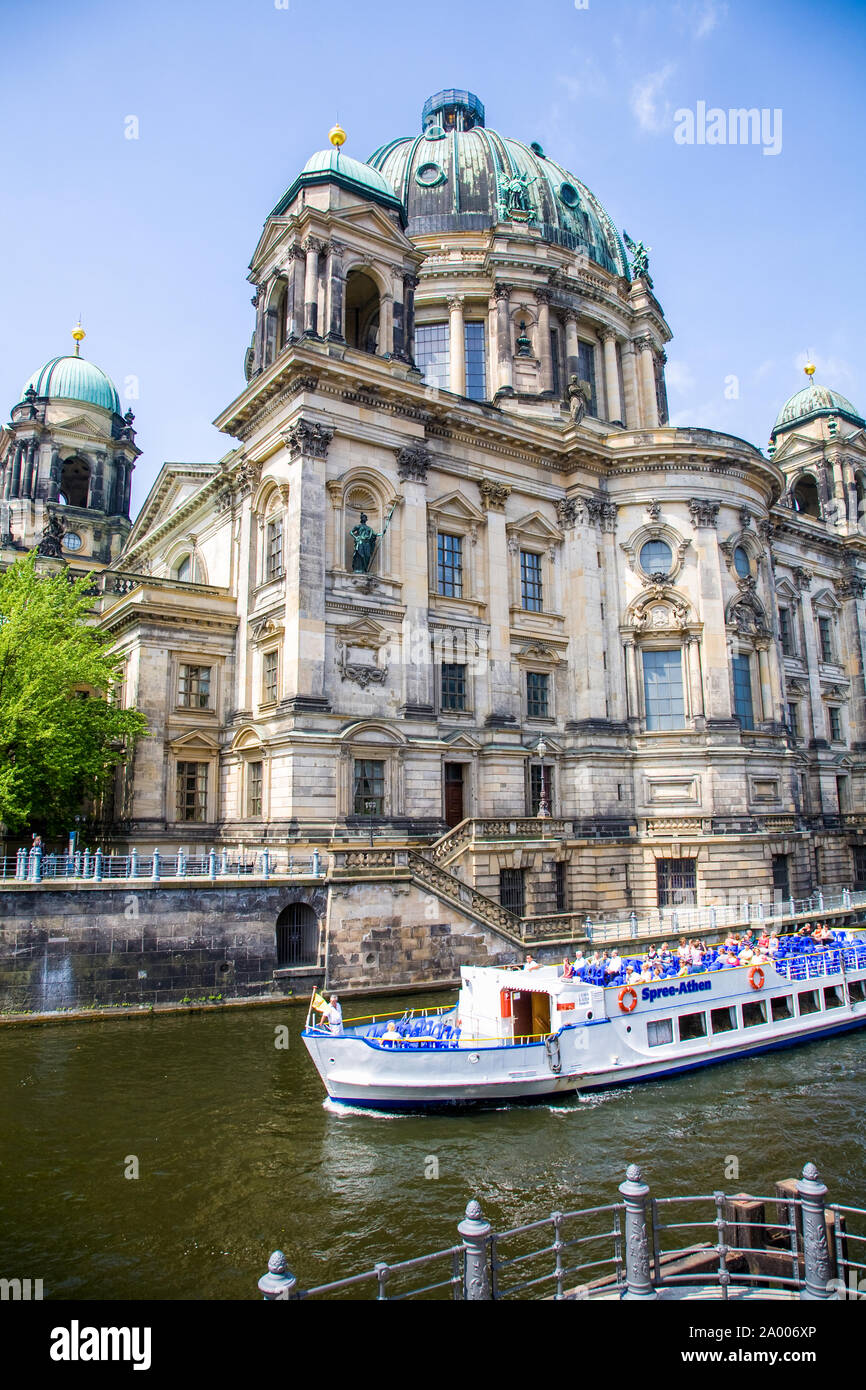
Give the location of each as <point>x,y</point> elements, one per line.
<point>79,335</point>
<point>337,135</point>
<point>809,369</point>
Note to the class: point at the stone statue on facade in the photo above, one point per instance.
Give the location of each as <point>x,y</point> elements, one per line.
<point>514,204</point>
<point>579,398</point>
<point>365,539</point>
<point>639,258</point>
<point>52,537</point>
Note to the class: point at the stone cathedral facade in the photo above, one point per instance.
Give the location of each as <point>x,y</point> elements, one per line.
<point>457,567</point>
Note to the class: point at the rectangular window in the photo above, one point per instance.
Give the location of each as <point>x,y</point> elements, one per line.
<point>433,354</point>
<point>843,797</point>
<point>254,789</point>
<point>586,372</point>
<point>781,878</point>
<point>676,882</point>
<point>512,891</point>
<point>274,549</point>
<point>782,1007</point>
<point>660,1032</point>
<point>809,1003</point>
<point>270,675</point>
<point>192,791</point>
<point>835,719</point>
<point>794,720</point>
<point>449,565</point>
<point>834,997</point>
<point>692,1026</point>
<point>663,689</point>
<point>537,691</point>
<point>786,636</point>
<point>369,785</point>
<point>535,787</point>
<point>476,361</point>
<point>723,1020</point>
<point>559,883</point>
<point>193,687</point>
<point>860,867</point>
<point>453,687</point>
<point>530,581</point>
<point>825,635</point>
<point>743,692</point>
<point>754,1013</point>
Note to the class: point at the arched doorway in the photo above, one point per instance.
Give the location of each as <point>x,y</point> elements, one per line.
<point>806,497</point>
<point>362,311</point>
<point>75,482</point>
<point>297,936</point>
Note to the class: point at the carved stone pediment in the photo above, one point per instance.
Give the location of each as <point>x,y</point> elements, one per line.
<point>361,652</point>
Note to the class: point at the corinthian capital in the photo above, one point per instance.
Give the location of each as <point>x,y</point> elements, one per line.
<point>308,439</point>
<point>493,495</point>
<point>413,462</point>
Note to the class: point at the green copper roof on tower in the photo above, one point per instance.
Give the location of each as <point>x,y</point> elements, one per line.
<point>74,379</point>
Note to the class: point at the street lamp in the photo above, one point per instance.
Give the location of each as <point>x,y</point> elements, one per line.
<point>370,808</point>
<point>543,801</point>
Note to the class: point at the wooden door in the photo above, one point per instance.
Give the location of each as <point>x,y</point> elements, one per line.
<point>453,793</point>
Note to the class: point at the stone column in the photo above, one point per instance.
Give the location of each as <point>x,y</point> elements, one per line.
<point>413,462</point>
<point>296,271</point>
<point>649,404</point>
<point>611,377</point>
<point>410,284</point>
<point>693,676</point>
<point>544,352</point>
<point>53,488</point>
<point>571,345</point>
<point>504,350</point>
<point>271,327</point>
<point>850,590</point>
<point>767,711</point>
<point>457,345</point>
<point>385,347</point>
<point>335,292</point>
<point>28,469</point>
<point>704,515</point>
<point>803,579</point>
<point>631,386</point>
<point>838,490</point>
<point>632,680</point>
<point>305,557</point>
<point>312,247</point>
<point>504,698</point>
<point>398,330</point>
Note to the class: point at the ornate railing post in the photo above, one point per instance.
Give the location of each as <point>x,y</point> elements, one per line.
<point>21,863</point>
<point>155,867</point>
<point>816,1251</point>
<point>475,1233</point>
<point>36,865</point>
<point>279,1282</point>
<point>224,862</point>
<point>266,864</point>
<point>211,864</point>
<point>316,869</point>
<point>85,866</point>
<point>97,866</point>
<point>133,864</point>
<point>637,1254</point>
<point>180,868</point>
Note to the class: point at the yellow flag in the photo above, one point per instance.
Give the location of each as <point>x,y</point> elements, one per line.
<point>319,1004</point>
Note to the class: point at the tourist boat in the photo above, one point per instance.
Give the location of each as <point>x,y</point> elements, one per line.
<point>529,1033</point>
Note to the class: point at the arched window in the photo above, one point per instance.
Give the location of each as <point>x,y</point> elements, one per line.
<point>805,497</point>
<point>742,563</point>
<point>183,569</point>
<point>297,936</point>
<point>75,482</point>
<point>362,311</point>
<point>860,484</point>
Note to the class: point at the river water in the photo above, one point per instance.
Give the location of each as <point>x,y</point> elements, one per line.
<point>237,1155</point>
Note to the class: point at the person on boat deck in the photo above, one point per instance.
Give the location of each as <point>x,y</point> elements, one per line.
<point>747,954</point>
<point>531,963</point>
<point>567,969</point>
<point>646,973</point>
<point>334,1016</point>
<point>683,951</point>
<point>651,953</point>
<point>760,957</point>
<point>665,954</point>
<point>579,959</point>
<point>658,973</point>
<point>614,963</point>
<point>826,934</point>
<point>696,955</point>
<point>763,941</point>
<point>390,1037</point>
<point>631,975</point>
<point>730,957</point>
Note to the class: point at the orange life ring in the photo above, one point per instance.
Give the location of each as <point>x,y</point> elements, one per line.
<point>756,977</point>
<point>627,1008</point>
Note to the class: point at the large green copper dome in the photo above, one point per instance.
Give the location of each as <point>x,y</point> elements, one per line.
<point>811,402</point>
<point>74,379</point>
<point>459,176</point>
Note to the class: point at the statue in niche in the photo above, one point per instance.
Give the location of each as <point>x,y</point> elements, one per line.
<point>365,539</point>
<point>579,398</point>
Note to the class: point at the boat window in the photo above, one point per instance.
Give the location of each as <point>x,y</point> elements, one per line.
<point>809,1002</point>
<point>783,1007</point>
<point>724,1020</point>
<point>754,1013</point>
<point>659,1032</point>
<point>693,1026</point>
<point>834,997</point>
<point>857,991</point>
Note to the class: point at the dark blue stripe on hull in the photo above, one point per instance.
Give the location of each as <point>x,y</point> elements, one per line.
<point>496,1103</point>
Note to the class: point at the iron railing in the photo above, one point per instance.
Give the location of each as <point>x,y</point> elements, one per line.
<point>96,867</point>
<point>634,1248</point>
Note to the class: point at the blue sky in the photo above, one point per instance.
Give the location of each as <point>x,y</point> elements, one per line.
<point>755,257</point>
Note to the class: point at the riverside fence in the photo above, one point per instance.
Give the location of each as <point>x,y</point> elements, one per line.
<point>34,866</point>
<point>630,1249</point>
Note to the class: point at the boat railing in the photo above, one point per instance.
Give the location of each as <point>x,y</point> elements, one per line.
<point>812,965</point>
<point>791,1244</point>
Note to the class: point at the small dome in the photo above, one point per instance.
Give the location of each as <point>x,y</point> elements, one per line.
<point>459,176</point>
<point>812,401</point>
<point>74,379</point>
<point>332,166</point>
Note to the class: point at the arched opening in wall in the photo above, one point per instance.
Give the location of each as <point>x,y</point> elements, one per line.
<point>860,484</point>
<point>362,311</point>
<point>362,535</point>
<point>74,482</point>
<point>183,568</point>
<point>297,936</point>
<point>806,497</point>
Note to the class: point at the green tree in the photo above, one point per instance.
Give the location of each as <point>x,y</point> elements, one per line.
<point>61,733</point>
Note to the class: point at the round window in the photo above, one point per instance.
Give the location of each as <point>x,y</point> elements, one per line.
<point>568,194</point>
<point>72,541</point>
<point>537,149</point>
<point>429,175</point>
<point>656,557</point>
<point>434,132</point>
<point>742,563</point>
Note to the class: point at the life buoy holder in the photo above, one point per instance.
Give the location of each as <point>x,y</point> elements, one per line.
<point>621,999</point>
<point>756,977</point>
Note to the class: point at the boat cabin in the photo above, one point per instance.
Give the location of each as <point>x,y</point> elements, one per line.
<point>520,1006</point>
